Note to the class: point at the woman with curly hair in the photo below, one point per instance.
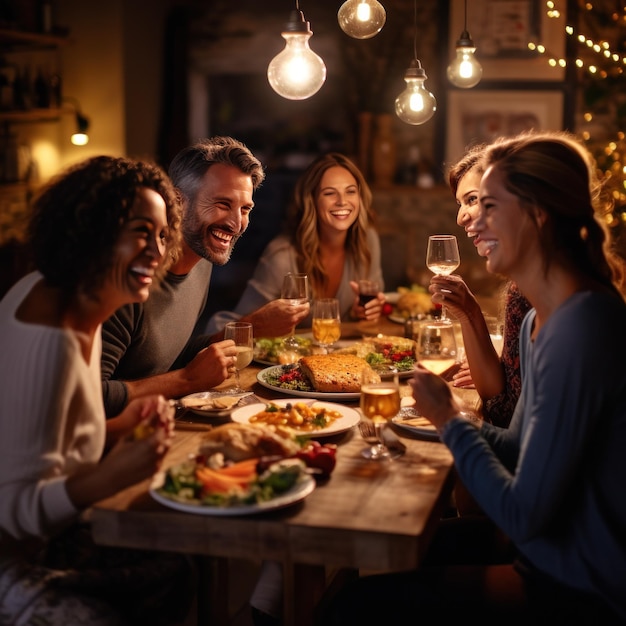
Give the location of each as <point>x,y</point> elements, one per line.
<point>330,236</point>
<point>100,233</point>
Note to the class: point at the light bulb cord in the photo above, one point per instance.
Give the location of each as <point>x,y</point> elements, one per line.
<point>415,29</point>
<point>465,17</point>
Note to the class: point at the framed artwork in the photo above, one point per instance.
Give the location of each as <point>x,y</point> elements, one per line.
<point>501,31</point>
<point>477,116</point>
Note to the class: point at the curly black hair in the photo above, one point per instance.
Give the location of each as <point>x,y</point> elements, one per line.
<point>78,216</point>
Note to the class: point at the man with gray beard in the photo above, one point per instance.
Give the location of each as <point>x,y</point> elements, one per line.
<point>150,347</point>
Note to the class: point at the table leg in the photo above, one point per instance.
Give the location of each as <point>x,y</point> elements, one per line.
<point>304,585</point>
<point>212,591</point>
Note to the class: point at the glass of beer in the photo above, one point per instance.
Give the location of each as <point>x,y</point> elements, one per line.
<point>380,401</point>
<point>326,322</point>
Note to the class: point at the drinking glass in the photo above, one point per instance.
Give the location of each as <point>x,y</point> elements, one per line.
<point>496,332</point>
<point>241,334</point>
<point>442,257</point>
<point>368,290</point>
<point>380,401</point>
<point>436,346</point>
<point>295,291</point>
<point>326,322</point>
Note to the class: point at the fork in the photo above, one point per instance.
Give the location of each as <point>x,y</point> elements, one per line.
<point>368,433</point>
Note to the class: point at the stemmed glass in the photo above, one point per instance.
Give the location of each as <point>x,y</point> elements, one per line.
<point>436,346</point>
<point>442,257</point>
<point>241,334</point>
<point>326,322</point>
<point>295,291</point>
<point>380,401</point>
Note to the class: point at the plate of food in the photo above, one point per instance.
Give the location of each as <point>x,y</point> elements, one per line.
<point>311,417</point>
<point>195,504</point>
<point>414,301</point>
<point>212,403</point>
<point>410,420</point>
<point>267,349</point>
<point>385,353</point>
<point>320,376</point>
<point>244,469</point>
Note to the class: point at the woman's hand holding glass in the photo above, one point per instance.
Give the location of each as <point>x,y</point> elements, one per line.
<point>442,257</point>
<point>369,300</point>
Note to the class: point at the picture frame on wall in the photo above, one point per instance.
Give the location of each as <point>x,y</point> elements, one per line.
<point>478,116</point>
<point>501,31</point>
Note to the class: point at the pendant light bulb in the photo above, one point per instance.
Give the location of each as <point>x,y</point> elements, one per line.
<point>297,72</point>
<point>361,19</point>
<point>465,71</point>
<point>415,105</point>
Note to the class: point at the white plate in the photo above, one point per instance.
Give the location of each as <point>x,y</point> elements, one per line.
<point>392,296</point>
<point>326,395</point>
<point>208,396</point>
<point>298,492</point>
<point>398,319</point>
<point>410,420</point>
<point>349,417</point>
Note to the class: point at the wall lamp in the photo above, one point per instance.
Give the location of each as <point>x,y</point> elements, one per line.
<point>80,137</point>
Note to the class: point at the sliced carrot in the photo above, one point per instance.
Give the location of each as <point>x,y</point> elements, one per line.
<point>244,468</point>
<point>214,480</point>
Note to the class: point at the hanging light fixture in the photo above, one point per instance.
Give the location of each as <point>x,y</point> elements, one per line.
<point>415,105</point>
<point>361,19</point>
<point>297,72</point>
<point>465,71</point>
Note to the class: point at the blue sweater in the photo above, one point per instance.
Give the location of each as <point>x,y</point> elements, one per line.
<point>554,480</point>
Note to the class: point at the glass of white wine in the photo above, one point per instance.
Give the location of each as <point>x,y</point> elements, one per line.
<point>436,346</point>
<point>380,401</point>
<point>326,322</point>
<point>295,290</point>
<point>442,257</point>
<point>241,334</point>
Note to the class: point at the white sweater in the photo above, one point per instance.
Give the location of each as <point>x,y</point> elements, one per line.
<point>51,419</point>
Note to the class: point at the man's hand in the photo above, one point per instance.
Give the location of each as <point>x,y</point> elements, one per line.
<point>212,365</point>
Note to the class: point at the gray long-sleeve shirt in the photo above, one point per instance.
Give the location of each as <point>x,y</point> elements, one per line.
<point>153,337</point>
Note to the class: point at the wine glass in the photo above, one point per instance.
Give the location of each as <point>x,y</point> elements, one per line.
<point>436,346</point>
<point>442,257</point>
<point>368,290</point>
<point>241,334</point>
<point>326,322</point>
<point>295,291</point>
<point>380,401</point>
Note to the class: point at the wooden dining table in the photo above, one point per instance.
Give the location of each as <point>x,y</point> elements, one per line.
<point>369,515</point>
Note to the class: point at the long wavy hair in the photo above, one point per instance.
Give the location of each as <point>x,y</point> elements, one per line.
<point>554,171</point>
<point>302,220</point>
<point>78,216</point>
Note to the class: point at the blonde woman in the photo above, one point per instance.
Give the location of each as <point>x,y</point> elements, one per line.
<point>330,236</point>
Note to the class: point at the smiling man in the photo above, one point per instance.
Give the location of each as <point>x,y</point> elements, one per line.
<point>151,346</point>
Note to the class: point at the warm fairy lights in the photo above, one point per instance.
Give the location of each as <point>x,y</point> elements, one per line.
<point>600,62</point>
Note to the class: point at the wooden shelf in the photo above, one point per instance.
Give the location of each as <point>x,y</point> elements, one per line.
<point>16,39</point>
<point>32,115</point>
